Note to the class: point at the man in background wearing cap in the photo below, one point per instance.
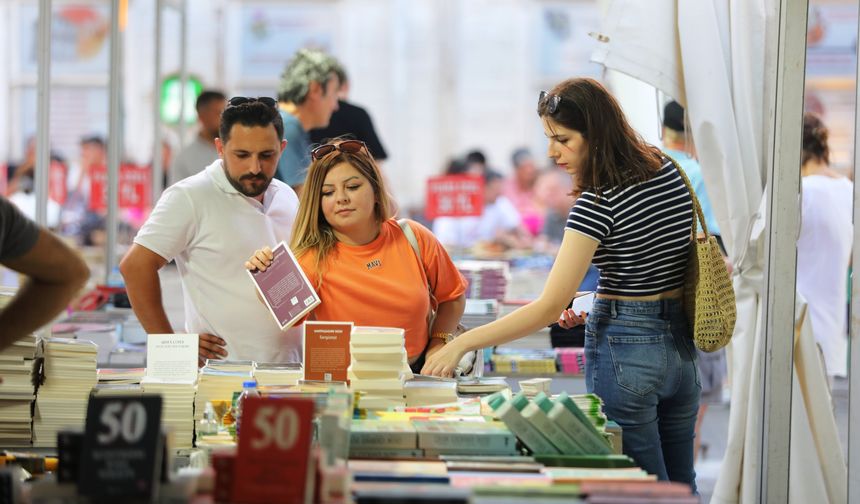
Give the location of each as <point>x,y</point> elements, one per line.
<point>307,97</point>
<point>681,149</point>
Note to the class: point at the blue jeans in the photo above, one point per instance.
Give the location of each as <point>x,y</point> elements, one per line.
<point>641,361</point>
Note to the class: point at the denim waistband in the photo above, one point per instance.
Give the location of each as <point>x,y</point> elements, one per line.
<point>612,307</point>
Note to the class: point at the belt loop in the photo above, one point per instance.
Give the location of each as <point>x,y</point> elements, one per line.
<point>665,310</point>
<point>613,309</point>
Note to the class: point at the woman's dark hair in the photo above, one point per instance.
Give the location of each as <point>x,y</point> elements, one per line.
<point>249,114</point>
<point>814,139</point>
<point>617,155</point>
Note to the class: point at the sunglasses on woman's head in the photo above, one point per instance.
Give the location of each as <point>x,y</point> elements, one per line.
<point>552,101</point>
<point>348,146</point>
<point>242,100</point>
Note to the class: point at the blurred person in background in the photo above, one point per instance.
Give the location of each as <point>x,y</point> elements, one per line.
<point>499,226</point>
<point>78,217</point>
<point>553,188</point>
<point>520,190</point>
<point>307,97</point>
<point>21,189</point>
<point>201,152</point>
<point>476,162</point>
<point>349,121</point>
<point>824,246</point>
<point>680,147</point>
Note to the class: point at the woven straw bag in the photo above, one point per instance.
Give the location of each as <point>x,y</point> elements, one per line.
<point>709,298</point>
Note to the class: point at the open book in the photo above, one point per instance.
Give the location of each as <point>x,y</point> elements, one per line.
<point>284,288</point>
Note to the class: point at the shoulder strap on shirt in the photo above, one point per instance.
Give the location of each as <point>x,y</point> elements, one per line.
<point>413,242</point>
<point>410,237</point>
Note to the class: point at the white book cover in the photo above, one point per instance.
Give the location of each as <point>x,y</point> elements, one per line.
<point>172,357</point>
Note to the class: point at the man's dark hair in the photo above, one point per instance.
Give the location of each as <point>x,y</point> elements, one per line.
<point>476,156</point>
<point>208,96</point>
<point>94,140</point>
<point>250,114</point>
<point>492,176</point>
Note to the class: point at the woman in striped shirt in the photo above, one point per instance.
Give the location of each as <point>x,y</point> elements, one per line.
<point>633,220</point>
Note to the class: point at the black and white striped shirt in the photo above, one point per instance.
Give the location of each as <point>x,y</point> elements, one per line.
<point>643,233</point>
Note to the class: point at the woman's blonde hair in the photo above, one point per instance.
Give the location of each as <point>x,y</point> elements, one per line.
<point>311,230</point>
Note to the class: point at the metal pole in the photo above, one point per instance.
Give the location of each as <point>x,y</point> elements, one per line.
<point>114,137</point>
<point>781,248</point>
<point>183,68</point>
<point>157,165</point>
<point>42,169</point>
<point>854,367</point>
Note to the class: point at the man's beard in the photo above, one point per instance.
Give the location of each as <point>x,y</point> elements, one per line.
<point>237,184</point>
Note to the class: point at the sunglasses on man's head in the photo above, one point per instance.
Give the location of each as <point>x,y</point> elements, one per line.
<point>552,101</point>
<point>242,100</point>
<point>348,146</point>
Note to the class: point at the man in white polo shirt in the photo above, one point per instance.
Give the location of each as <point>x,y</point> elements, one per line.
<point>210,223</point>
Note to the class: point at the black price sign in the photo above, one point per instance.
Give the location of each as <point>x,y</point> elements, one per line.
<point>122,447</point>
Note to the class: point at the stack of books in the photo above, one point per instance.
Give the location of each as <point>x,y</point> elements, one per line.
<point>534,386</point>
<point>177,409</point>
<point>17,392</point>
<point>571,360</point>
<point>479,312</point>
<point>464,438</point>
<point>61,401</point>
<point>383,439</point>
<point>637,490</point>
<point>592,406</point>
<point>523,361</point>
<point>276,374</point>
<point>482,385</point>
<point>378,366</point>
<point>104,335</point>
<point>120,375</point>
<point>487,279</point>
<point>218,380</point>
<point>429,392</point>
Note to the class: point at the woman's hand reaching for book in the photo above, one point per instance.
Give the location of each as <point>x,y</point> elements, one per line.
<point>444,361</point>
<point>261,259</point>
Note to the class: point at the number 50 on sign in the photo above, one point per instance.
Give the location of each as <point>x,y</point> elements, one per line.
<point>273,461</point>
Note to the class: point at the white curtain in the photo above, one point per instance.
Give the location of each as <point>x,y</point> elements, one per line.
<point>710,56</point>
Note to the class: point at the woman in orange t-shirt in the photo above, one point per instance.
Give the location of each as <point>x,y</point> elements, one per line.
<point>359,259</point>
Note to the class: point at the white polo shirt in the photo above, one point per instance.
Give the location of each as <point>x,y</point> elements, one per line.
<point>211,229</point>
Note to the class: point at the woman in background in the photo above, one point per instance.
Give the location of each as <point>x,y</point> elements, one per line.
<point>824,246</point>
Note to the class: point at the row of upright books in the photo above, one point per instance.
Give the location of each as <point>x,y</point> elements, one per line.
<point>568,360</point>
<point>486,279</point>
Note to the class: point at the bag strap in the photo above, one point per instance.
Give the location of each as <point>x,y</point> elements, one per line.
<point>413,242</point>
<point>698,208</point>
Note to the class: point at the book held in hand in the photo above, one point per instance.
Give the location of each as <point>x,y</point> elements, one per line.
<point>284,288</point>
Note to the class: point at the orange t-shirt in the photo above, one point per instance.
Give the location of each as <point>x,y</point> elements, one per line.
<point>382,283</point>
